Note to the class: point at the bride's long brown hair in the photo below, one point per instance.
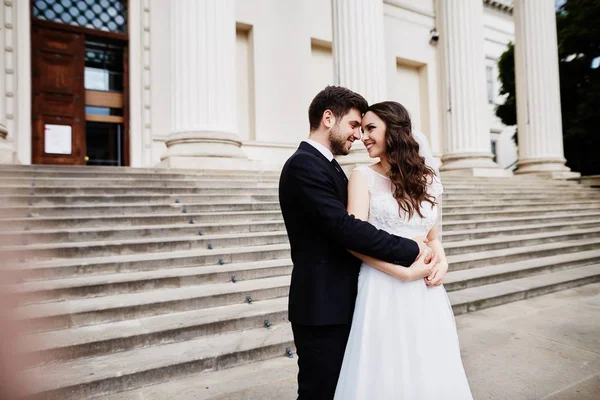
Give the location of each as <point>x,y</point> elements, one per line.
<point>408,172</point>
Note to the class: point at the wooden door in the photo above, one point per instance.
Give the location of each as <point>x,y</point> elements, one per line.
<point>58,61</point>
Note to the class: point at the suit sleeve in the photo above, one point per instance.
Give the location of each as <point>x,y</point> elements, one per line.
<point>315,185</point>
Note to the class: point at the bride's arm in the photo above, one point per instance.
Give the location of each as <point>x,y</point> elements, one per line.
<point>436,278</point>
<point>358,205</point>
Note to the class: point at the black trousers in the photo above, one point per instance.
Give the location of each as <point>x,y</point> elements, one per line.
<point>320,351</point>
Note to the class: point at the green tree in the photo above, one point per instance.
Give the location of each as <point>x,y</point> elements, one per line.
<point>579,66</point>
<point>507,112</point>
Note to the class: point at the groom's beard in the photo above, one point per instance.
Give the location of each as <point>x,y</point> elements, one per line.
<point>338,142</point>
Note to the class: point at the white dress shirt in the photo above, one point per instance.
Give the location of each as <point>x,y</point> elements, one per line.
<point>322,149</point>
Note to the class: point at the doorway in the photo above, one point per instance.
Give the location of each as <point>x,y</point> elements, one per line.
<point>79,82</point>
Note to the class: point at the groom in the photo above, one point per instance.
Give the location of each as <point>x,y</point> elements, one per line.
<point>313,196</point>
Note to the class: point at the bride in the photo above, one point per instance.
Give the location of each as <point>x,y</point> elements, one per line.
<point>403,342</point>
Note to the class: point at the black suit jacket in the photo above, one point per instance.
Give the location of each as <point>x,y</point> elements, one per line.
<point>313,197</point>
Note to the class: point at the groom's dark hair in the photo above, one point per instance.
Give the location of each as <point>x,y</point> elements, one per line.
<point>339,100</point>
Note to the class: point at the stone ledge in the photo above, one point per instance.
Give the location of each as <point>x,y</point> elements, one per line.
<point>592,180</point>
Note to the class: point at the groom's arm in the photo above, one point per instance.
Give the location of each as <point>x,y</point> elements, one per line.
<point>317,189</point>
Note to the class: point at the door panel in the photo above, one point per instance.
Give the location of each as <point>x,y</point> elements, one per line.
<point>58,95</point>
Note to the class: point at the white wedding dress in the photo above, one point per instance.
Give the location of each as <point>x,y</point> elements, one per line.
<point>403,343</point>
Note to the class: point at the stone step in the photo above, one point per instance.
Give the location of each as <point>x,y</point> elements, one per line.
<point>207,220</point>
<point>467,278</point>
<point>108,284</point>
<point>256,205</point>
<point>119,307</point>
<point>89,341</point>
<point>116,171</point>
<point>107,191</point>
<point>118,372</point>
<point>131,174</point>
<point>76,267</point>
<point>89,221</point>
<point>135,182</point>
<point>517,212</point>
<point>52,176</point>
<point>124,209</point>
<point>144,199</point>
<point>504,242</point>
<point>87,171</point>
<point>144,245</point>
<point>50,173</point>
<point>518,254</point>
<point>523,195</point>
<point>478,207</point>
<point>160,245</point>
<point>61,235</point>
<point>225,187</point>
<point>126,370</point>
<point>37,291</point>
<point>73,200</point>
<point>268,379</point>
<point>477,252</point>
<point>520,201</point>
<point>483,233</point>
<point>507,222</point>
<point>451,192</point>
<point>479,297</point>
<point>124,335</point>
<point>450,232</point>
<point>166,199</point>
<point>64,268</point>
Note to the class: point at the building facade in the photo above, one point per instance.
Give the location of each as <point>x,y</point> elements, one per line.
<point>226,84</point>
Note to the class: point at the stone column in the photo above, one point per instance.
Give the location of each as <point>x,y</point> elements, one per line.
<point>203,87</point>
<point>359,56</point>
<point>6,148</point>
<point>539,122</point>
<point>467,147</point>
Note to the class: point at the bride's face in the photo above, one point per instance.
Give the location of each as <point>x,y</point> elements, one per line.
<point>373,134</point>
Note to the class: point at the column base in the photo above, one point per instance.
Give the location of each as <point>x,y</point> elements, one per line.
<point>211,163</point>
<point>206,150</point>
<point>472,164</point>
<point>553,168</point>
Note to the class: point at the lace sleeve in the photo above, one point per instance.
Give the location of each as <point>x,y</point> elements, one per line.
<point>365,171</point>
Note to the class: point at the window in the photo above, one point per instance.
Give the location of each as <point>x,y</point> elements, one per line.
<point>104,15</point>
<point>104,103</point>
<point>489,76</point>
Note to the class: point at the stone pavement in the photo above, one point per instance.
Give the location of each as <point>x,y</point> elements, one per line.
<point>546,347</point>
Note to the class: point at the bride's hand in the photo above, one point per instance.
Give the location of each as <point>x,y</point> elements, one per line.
<point>419,269</point>
<point>437,276</point>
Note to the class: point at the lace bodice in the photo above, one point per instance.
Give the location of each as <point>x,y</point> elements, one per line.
<point>385,213</point>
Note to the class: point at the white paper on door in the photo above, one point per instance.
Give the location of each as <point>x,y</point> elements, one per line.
<point>57,139</point>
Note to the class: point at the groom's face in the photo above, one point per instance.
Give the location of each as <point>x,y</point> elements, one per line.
<point>344,132</point>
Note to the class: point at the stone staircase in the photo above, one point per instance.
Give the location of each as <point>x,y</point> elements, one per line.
<point>137,277</point>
